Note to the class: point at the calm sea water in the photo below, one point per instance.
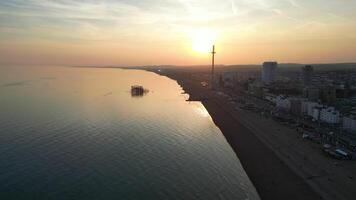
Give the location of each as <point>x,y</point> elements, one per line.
<point>77,133</point>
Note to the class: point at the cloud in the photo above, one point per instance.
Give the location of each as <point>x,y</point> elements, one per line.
<point>162,22</point>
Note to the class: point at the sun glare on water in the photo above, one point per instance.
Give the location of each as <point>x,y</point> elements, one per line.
<point>203,40</point>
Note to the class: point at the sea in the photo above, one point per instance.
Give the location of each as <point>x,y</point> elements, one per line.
<point>79,133</point>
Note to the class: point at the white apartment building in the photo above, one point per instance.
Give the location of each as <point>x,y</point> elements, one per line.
<point>329,115</point>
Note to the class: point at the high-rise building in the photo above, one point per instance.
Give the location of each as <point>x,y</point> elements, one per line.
<point>269,72</point>
<point>307,74</point>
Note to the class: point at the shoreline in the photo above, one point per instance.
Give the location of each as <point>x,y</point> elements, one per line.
<point>278,161</point>
<point>271,176</point>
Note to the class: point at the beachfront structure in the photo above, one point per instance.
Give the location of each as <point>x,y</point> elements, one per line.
<point>270,97</point>
<point>283,103</point>
<point>320,112</point>
<point>326,114</point>
<point>269,72</point>
<point>296,106</point>
<point>137,90</point>
<point>316,112</point>
<point>308,107</point>
<point>349,123</point>
<point>329,115</point>
<point>307,74</point>
<point>305,107</point>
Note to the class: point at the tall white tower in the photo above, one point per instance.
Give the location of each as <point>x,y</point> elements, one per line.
<point>213,52</point>
<point>269,72</point>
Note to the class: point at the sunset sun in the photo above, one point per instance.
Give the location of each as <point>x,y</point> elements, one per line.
<point>203,40</point>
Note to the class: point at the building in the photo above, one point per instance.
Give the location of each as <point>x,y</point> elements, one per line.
<point>296,106</point>
<point>316,112</point>
<point>312,93</point>
<point>229,79</point>
<point>270,97</point>
<point>349,123</point>
<point>307,75</point>
<point>329,115</point>
<point>325,114</point>
<point>308,107</point>
<point>283,103</point>
<point>320,112</point>
<point>328,94</point>
<point>305,108</point>
<point>269,72</point>
<point>311,109</point>
<point>256,89</point>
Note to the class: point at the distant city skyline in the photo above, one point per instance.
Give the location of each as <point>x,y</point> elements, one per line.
<point>176,32</point>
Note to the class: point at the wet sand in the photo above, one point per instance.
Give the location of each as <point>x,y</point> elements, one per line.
<point>272,178</point>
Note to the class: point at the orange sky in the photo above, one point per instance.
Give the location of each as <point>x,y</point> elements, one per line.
<point>153,32</point>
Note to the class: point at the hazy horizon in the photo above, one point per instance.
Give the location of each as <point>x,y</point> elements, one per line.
<point>176,32</point>
<point>352,64</point>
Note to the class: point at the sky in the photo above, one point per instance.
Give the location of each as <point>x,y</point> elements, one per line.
<point>157,32</point>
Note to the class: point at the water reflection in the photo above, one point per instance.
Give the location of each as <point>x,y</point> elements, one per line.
<point>200,109</point>
<point>17,83</point>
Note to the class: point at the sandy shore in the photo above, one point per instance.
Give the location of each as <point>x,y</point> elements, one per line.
<point>279,165</point>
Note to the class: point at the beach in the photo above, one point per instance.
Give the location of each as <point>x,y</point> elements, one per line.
<point>280,165</point>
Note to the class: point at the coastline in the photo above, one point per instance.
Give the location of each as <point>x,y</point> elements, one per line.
<point>271,176</point>
<point>278,161</point>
